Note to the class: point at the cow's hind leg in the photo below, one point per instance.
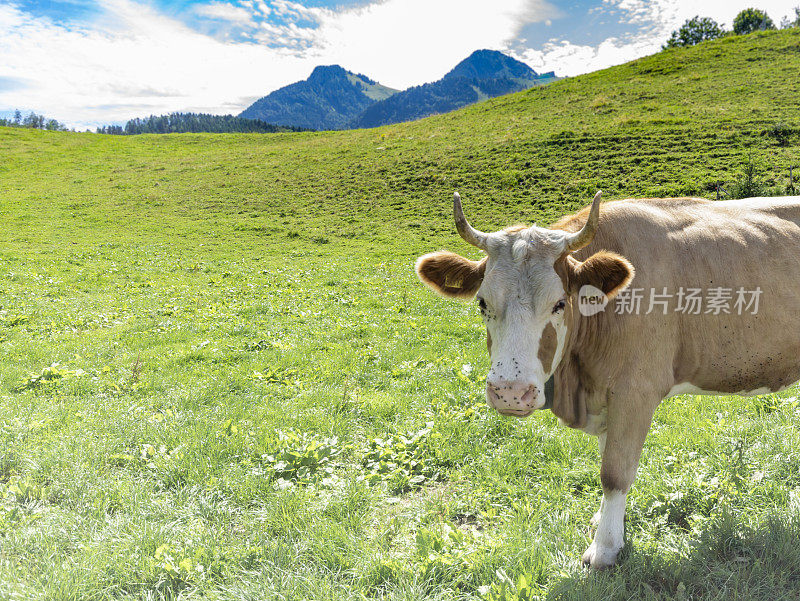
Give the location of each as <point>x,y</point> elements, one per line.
<point>627,428</point>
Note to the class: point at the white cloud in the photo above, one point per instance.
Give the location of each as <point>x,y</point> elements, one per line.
<point>133,63</point>
<point>226,12</point>
<point>569,59</point>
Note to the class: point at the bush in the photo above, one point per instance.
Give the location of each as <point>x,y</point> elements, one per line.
<point>748,184</point>
<point>694,31</point>
<point>750,20</point>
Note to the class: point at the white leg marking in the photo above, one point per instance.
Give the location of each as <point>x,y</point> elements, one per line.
<point>609,539</point>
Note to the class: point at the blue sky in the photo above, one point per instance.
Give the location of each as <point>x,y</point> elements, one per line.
<point>89,62</point>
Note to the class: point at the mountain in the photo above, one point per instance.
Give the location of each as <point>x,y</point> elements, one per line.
<point>334,98</point>
<point>483,74</point>
<point>490,64</point>
<point>329,99</point>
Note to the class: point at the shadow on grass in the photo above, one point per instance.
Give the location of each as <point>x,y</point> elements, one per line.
<point>728,561</point>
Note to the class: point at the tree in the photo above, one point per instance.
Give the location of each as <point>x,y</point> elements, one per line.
<point>33,121</point>
<point>193,122</point>
<point>694,31</point>
<point>750,20</point>
<point>786,22</point>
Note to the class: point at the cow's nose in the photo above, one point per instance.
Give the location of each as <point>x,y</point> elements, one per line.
<point>513,398</point>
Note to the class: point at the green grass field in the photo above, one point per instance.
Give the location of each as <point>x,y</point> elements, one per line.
<point>221,379</point>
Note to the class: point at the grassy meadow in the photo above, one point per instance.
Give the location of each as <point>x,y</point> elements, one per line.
<point>221,379</point>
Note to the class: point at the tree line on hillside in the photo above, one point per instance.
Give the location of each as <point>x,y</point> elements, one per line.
<point>180,123</point>
<point>698,29</point>
<point>32,121</point>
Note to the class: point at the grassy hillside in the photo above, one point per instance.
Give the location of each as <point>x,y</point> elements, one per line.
<point>220,378</point>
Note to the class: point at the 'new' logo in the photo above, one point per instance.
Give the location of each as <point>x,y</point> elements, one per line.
<point>591,300</point>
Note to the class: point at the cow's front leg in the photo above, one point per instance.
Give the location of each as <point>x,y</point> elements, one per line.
<point>620,459</point>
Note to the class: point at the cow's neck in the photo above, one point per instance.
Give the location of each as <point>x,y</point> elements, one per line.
<point>579,381</point>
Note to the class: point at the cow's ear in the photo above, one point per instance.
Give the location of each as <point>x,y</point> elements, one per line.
<point>450,274</point>
<point>604,270</point>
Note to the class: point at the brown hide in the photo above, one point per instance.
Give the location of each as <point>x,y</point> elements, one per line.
<point>689,243</point>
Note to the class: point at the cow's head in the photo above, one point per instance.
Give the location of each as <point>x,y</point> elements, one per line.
<point>525,289</point>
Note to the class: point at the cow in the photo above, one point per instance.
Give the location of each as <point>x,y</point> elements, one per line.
<point>606,370</point>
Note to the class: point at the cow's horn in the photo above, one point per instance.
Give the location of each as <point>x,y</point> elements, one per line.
<point>465,230</point>
<point>580,239</point>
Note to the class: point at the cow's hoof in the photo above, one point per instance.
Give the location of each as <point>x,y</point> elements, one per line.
<point>600,558</point>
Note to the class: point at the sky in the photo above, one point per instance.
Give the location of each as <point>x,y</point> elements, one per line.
<point>92,62</point>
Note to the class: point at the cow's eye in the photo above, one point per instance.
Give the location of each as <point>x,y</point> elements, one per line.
<point>482,305</point>
<point>559,306</point>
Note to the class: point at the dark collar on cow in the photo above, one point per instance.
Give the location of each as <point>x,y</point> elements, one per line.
<point>549,393</point>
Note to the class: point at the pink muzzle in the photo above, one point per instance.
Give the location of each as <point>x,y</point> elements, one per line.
<point>513,398</point>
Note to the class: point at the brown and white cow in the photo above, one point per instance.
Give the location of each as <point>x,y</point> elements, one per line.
<point>607,372</point>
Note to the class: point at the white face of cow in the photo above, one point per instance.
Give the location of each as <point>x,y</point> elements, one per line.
<point>523,289</point>
<point>522,300</point>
